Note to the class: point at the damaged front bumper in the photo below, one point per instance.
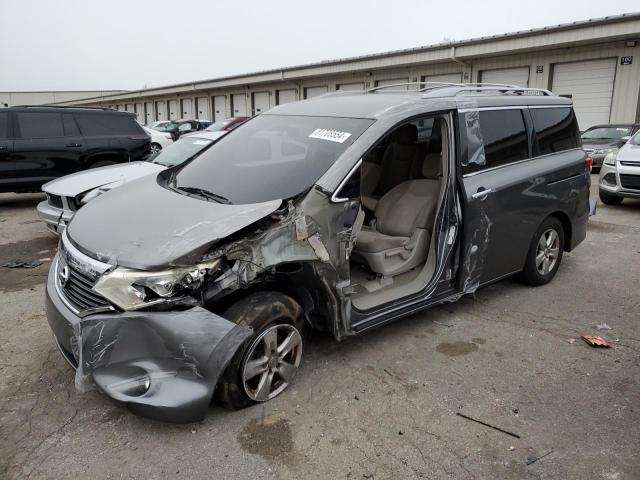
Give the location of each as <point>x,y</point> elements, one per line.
<point>161,365</point>
<point>56,219</point>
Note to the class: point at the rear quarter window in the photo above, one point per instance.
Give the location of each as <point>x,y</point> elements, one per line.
<point>95,124</point>
<point>556,130</point>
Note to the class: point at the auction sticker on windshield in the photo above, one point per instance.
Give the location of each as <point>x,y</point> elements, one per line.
<point>331,135</point>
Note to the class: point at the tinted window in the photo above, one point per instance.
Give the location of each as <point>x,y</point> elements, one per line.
<point>107,124</point>
<point>504,137</point>
<point>40,125</point>
<point>70,127</point>
<point>556,130</point>
<point>4,125</point>
<point>271,157</point>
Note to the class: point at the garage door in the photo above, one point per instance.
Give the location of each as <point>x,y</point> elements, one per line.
<point>310,92</point>
<point>351,86</point>
<point>286,96</point>
<point>148,112</point>
<point>444,78</point>
<point>139,112</point>
<point>219,107</point>
<point>393,81</point>
<point>239,105</point>
<point>506,76</point>
<point>174,110</point>
<point>161,110</point>
<point>203,108</point>
<point>260,102</point>
<point>187,108</point>
<point>129,107</point>
<point>590,85</point>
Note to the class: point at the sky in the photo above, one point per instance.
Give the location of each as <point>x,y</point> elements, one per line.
<point>133,44</point>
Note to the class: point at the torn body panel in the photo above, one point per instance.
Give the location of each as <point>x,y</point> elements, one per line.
<point>162,365</point>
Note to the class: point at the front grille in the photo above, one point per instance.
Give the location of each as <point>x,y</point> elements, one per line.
<point>78,291</point>
<point>630,181</point>
<point>54,200</point>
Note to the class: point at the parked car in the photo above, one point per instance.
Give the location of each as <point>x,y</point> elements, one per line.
<point>600,140</point>
<point>38,144</point>
<point>196,283</point>
<point>159,140</point>
<point>67,194</point>
<point>179,127</point>
<point>620,174</point>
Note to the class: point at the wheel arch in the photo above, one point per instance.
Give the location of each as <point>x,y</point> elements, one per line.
<point>567,228</point>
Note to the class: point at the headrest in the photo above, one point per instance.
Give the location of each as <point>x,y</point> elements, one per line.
<point>432,166</point>
<point>406,134</point>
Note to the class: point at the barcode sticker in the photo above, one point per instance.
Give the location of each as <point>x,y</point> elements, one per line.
<point>331,135</point>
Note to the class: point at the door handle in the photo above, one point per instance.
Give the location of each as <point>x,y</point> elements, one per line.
<point>482,193</point>
<point>74,145</point>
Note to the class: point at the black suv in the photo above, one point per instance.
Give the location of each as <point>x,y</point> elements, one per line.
<point>38,144</point>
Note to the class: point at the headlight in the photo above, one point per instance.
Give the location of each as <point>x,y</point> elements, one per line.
<point>96,192</point>
<point>134,289</point>
<point>610,159</point>
<point>603,151</point>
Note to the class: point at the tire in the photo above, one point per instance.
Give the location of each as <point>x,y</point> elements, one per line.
<point>269,314</point>
<point>103,163</point>
<point>155,148</point>
<point>543,257</point>
<point>609,199</point>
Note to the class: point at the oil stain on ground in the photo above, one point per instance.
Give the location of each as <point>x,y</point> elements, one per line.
<point>39,249</point>
<point>456,349</point>
<point>270,437</point>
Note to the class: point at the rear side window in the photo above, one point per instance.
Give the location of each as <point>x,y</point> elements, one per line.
<point>95,124</point>
<point>504,137</point>
<point>556,130</point>
<point>4,125</point>
<point>40,125</point>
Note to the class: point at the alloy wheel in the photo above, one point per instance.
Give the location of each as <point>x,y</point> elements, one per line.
<point>271,362</point>
<point>155,148</point>
<point>547,251</point>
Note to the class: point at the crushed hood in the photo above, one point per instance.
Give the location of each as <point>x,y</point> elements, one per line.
<point>145,226</point>
<point>77,183</point>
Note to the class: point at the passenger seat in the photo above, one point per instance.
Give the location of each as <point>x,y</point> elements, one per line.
<point>404,221</point>
<point>398,163</point>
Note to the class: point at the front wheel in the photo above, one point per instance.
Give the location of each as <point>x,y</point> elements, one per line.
<point>545,253</point>
<point>267,364</point>
<point>155,148</point>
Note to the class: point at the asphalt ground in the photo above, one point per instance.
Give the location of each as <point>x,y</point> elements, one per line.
<point>383,405</point>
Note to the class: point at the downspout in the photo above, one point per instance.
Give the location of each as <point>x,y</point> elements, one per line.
<point>466,66</point>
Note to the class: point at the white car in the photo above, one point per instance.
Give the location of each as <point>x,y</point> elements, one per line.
<point>67,194</point>
<point>620,173</point>
<point>159,140</point>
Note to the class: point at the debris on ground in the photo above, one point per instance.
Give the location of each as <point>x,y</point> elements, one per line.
<point>22,264</point>
<point>488,425</point>
<point>603,326</point>
<point>533,459</point>
<point>596,341</point>
<point>572,341</point>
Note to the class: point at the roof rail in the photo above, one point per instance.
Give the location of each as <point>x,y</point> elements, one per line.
<point>64,106</point>
<point>446,91</point>
<point>375,89</point>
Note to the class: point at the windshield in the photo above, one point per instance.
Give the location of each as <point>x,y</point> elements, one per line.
<point>271,157</point>
<point>606,133</point>
<point>165,126</point>
<point>179,151</point>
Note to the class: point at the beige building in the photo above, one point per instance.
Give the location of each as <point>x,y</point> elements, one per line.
<point>595,62</point>
<point>11,99</point>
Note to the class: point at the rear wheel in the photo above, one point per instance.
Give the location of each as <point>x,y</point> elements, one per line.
<point>268,362</point>
<point>545,253</point>
<point>155,148</point>
<point>609,199</point>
